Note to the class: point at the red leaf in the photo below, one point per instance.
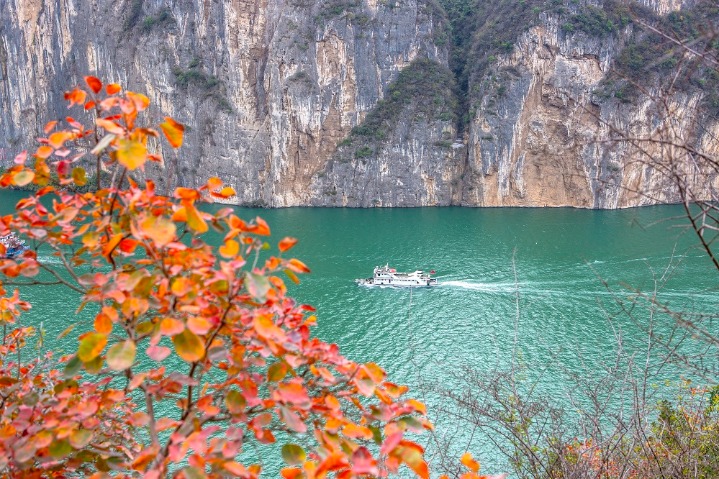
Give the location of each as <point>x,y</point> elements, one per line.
<point>158,353</point>
<point>292,393</point>
<point>94,83</point>
<point>363,462</point>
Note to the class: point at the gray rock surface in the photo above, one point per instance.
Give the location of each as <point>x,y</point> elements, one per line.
<point>270,91</point>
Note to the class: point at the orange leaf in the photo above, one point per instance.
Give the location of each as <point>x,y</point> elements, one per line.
<point>261,228</point>
<point>180,214</point>
<point>287,243</point>
<point>94,83</point>
<point>131,154</point>
<point>418,406</point>
<point>44,151</point>
<point>189,346</point>
<point>112,88</point>
<point>291,473</point>
<point>165,423</point>
<point>173,132</point>
<point>49,126</point>
<point>110,245</point>
<point>214,183</point>
<point>103,324</point>
<point>411,455</point>
<point>198,325</point>
<point>187,193</point>
<point>171,326</point>
<point>298,266</point>
<point>128,245</point>
<point>58,139</point>
<point>76,96</point>
<point>235,468</point>
<point>141,101</point>
<point>357,432</point>
<point>110,126</point>
<point>293,393</point>
<point>469,462</point>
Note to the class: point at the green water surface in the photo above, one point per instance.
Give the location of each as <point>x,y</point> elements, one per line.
<point>523,280</point>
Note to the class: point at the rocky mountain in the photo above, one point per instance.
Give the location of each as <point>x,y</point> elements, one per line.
<point>379,102</point>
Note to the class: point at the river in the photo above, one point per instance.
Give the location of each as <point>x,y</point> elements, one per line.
<point>525,283</point>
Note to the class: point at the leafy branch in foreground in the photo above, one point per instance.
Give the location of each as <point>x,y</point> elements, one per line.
<point>194,352</point>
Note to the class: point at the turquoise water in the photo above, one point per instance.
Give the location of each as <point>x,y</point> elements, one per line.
<point>530,278</point>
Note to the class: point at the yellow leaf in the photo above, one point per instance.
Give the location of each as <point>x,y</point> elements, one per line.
<point>173,132</point>
<point>194,219</point>
<point>91,346</point>
<point>159,229</point>
<point>131,154</point>
<point>189,346</point>
<point>22,178</point>
<point>78,176</point>
<point>121,355</point>
<point>230,249</point>
<point>227,191</point>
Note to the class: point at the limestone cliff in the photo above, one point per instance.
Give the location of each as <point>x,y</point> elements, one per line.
<point>546,134</point>
<point>268,88</point>
<point>365,102</point>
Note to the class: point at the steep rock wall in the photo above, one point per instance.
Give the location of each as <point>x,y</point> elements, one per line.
<point>267,87</point>
<point>543,136</point>
<point>297,102</point>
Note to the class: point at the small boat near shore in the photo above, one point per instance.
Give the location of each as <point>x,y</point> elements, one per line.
<point>386,276</point>
<point>12,246</point>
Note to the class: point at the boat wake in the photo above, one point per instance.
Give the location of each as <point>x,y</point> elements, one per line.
<point>486,287</point>
<point>47,259</point>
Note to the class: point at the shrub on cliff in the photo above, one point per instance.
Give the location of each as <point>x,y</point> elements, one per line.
<point>194,353</point>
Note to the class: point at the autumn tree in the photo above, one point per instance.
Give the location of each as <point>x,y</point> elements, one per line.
<point>162,296</point>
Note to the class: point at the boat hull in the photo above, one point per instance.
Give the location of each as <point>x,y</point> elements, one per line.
<point>12,253</point>
<point>398,284</point>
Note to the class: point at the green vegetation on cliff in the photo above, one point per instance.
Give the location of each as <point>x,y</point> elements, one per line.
<point>425,87</point>
<point>658,54</point>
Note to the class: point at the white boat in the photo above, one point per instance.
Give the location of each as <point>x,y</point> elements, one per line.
<point>386,276</point>
<point>12,246</point>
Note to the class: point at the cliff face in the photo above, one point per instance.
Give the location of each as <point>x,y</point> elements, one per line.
<point>354,102</point>
<point>267,87</point>
<point>549,119</point>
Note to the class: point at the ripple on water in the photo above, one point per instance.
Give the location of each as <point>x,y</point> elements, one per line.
<point>513,282</point>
